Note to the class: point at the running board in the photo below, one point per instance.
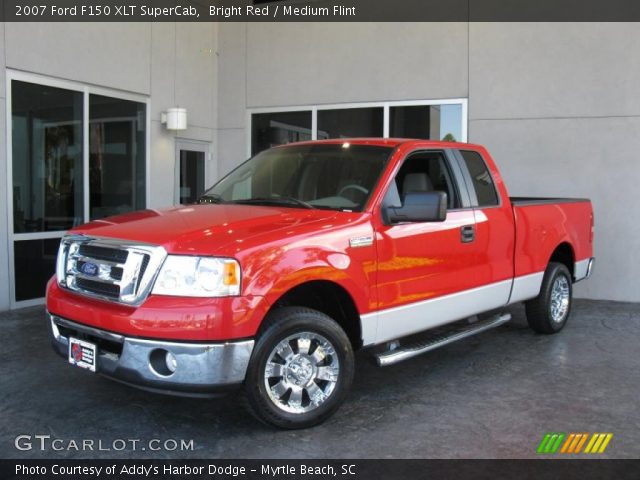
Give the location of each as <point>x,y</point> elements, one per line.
<point>401,353</point>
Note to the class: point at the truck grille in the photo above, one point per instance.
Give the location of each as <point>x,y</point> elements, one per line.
<point>99,288</point>
<point>108,269</point>
<point>102,253</point>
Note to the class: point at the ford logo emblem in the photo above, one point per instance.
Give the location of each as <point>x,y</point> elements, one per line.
<point>89,269</point>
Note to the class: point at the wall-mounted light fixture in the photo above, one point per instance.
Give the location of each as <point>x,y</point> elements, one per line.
<point>175,118</point>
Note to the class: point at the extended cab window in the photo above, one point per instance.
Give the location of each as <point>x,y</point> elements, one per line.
<point>481,178</point>
<point>423,172</point>
<point>326,176</point>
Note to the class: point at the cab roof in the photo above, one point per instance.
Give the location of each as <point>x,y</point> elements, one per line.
<point>385,142</point>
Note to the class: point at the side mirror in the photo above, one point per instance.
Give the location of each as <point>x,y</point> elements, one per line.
<point>419,207</point>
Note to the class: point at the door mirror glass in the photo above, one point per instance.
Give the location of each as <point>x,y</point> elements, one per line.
<point>419,207</point>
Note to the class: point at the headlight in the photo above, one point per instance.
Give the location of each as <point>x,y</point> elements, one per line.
<point>186,276</point>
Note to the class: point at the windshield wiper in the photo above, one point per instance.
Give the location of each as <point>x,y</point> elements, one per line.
<point>277,201</point>
<point>210,198</point>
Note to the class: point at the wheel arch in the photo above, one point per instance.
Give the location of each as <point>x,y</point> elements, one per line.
<point>565,255</point>
<point>327,297</point>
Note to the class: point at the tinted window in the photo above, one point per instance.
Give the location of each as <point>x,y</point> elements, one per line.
<point>350,122</point>
<point>272,129</point>
<point>191,176</point>
<point>34,264</point>
<point>117,156</point>
<point>481,177</point>
<point>47,158</point>
<point>431,122</point>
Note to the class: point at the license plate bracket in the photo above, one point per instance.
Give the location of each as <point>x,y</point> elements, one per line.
<point>82,354</point>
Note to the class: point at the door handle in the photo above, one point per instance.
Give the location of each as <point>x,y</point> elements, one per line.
<point>467,233</point>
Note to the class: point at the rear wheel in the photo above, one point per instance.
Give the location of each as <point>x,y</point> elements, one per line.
<point>550,310</point>
<point>301,368</point>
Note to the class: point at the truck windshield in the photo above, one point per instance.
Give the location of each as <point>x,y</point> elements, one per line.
<point>324,176</point>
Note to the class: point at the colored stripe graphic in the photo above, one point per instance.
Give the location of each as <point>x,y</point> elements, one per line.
<point>543,443</point>
<point>598,443</point>
<point>573,443</point>
<point>581,442</point>
<point>550,442</point>
<point>570,438</point>
<point>556,445</point>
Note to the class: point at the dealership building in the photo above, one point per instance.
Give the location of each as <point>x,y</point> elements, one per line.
<point>106,118</point>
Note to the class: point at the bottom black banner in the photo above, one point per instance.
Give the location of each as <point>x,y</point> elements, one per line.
<point>319,469</point>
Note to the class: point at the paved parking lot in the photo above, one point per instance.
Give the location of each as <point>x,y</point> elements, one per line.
<point>493,395</point>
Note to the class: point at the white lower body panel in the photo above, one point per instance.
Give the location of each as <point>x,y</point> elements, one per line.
<point>526,287</point>
<point>392,323</point>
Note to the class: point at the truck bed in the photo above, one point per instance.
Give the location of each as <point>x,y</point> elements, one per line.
<point>544,223</point>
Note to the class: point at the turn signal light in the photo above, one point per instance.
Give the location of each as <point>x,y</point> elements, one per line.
<point>230,276</point>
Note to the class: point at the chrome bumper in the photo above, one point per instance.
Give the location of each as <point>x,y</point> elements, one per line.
<point>584,268</point>
<point>200,369</point>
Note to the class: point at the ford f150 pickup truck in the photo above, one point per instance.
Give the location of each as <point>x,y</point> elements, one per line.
<point>304,254</point>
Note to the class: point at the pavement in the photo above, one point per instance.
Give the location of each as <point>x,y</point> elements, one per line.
<point>494,395</point>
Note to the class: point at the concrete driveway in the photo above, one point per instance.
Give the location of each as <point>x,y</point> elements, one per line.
<point>493,395</point>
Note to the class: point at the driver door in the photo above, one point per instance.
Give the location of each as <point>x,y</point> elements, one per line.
<point>426,268</point>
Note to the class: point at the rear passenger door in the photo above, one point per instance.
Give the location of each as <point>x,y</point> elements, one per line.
<point>424,267</point>
<point>495,233</point>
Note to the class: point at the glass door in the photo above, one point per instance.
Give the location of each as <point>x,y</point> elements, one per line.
<point>47,174</point>
<point>191,163</point>
<point>75,155</point>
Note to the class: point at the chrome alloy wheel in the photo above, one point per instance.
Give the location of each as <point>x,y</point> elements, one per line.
<point>301,372</point>
<point>559,299</point>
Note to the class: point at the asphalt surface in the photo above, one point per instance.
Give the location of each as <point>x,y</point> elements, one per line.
<point>494,395</point>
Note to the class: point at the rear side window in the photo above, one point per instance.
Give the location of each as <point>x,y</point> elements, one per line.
<point>481,177</point>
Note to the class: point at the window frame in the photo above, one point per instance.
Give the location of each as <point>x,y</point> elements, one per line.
<point>386,105</point>
<point>86,91</point>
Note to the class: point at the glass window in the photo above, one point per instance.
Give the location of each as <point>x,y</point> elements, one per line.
<point>340,176</point>
<point>47,157</point>
<point>191,176</point>
<point>34,265</point>
<point>272,129</point>
<point>350,123</point>
<point>429,122</point>
<point>481,177</point>
<point>117,156</point>
<point>424,172</point>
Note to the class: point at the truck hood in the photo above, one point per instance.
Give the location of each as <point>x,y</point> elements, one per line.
<point>206,229</point>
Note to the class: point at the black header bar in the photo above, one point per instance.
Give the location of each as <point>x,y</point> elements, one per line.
<point>219,469</point>
<point>320,10</point>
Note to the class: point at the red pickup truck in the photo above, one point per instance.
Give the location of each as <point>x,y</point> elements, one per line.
<point>304,254</point>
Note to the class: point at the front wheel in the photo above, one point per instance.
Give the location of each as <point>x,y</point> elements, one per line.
<point>301,368</point>
<point>549,311</point>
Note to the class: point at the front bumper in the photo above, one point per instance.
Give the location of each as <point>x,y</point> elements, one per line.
<point>202,369</point>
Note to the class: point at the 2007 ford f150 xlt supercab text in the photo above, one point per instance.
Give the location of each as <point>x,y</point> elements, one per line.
<point>305,253</point>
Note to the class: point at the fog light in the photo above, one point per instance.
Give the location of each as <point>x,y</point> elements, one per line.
<point>162,362</point>
<point>172,364</point>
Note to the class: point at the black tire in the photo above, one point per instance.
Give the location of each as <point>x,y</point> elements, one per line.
<point>280,325</point>
<point>540,311</point>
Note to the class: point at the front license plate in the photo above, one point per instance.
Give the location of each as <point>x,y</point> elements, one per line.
<point>82,354</point>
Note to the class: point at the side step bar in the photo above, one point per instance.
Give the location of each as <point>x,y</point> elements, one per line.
<point>401,353</point>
